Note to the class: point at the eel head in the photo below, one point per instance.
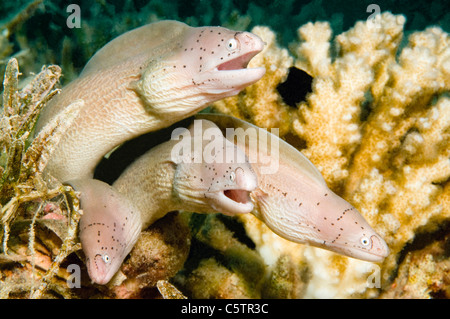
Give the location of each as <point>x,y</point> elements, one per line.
<point>206,64</point>
<point>219,59</point>
<point>323,219</point>
<point>109,228</point>
<point>296,203</point>
<point>228,184</point>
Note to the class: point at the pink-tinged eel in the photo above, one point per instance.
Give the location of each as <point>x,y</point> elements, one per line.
<point>158,182</point>
<point>295,202</point>
<point>144,80</point>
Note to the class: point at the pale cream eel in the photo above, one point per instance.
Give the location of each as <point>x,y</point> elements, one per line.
<point>160,181</point>
<point>144,80</point>
<point>293,199</point>
<point>152,85</point>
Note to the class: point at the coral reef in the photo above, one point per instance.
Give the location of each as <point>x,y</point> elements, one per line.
<point>24,192</point>
<point>377,125</point>
<point>234,270</point>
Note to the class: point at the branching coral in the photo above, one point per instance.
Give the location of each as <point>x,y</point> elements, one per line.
<point>377,125</point>
<point>402,152</point>
<point>238,270</point>
<point>158,255</point>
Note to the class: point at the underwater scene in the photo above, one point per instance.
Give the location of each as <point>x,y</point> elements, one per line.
<point>224,149</point>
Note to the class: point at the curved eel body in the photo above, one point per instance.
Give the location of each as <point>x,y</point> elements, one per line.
<point>144,80</point>
<point>159,182</point>
<point>295,202</point>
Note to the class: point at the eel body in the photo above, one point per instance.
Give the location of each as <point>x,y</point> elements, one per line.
<point>295,202</point>
<point>144,80</point>
<point>158,182</point>
<point>108,229</point>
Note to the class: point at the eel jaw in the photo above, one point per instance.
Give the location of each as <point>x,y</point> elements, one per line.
<point>235,199</point>
<point>231,201</point>
<point>233,75</point>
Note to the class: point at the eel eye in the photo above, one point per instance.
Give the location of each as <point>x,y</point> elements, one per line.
<point>365,241</point>
<point>232,176</point>
<point>106,258</point>
<point>232,44</point>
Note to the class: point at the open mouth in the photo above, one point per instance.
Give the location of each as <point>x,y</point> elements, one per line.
<point>237,195</point>
<point>376,253</point>
<point>237,63</point>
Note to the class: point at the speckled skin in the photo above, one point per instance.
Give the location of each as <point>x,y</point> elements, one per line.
<point>158,182</point>
<point>109,227</point>
<point>154,185</point>
<point>146,79</point>
<point>143,80</point>
<point>296,203</point>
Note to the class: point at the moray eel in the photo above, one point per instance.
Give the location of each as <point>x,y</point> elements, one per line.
<point>108,229</point>
<point>295,202</point>
<point>144,80</point>
<point>160,181</point>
